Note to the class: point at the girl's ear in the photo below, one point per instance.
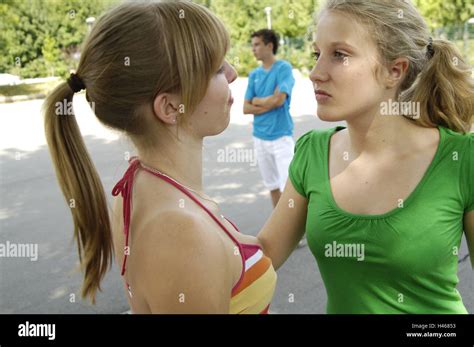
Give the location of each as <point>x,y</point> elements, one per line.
<point>397,72</point>
<point>166,107</point>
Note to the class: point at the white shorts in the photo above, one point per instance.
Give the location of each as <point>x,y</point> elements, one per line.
<point>274,158</point>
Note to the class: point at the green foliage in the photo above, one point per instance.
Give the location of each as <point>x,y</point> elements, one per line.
<point>442,13</point>
<point>42,37</point>
<point>291,19</point>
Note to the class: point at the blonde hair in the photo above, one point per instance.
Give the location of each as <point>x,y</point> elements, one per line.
<point>442,84</point>
<point>135,51</point>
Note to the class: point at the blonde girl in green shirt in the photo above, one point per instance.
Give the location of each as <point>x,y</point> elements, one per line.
<point>385,200</point>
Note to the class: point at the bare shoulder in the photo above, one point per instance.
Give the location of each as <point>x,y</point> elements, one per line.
<point>183,265</point>
<point>340,135</point>
<point>179,228</point>
<point>339,141</point>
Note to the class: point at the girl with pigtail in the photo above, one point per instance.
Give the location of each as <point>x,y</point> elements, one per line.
<point>177,252</point>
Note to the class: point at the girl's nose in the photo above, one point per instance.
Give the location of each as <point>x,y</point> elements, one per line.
<point>230,72</point>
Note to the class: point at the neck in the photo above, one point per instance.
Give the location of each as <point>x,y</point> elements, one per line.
<point>268,62</point>
<point>181,160</point>
<point>375,133</point>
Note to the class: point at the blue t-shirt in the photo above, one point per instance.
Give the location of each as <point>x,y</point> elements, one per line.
<point>275,123</point>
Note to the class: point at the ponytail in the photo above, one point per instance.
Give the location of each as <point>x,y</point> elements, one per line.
<point>171,55</point>
<point>444,89</point>
<point>81,187</point>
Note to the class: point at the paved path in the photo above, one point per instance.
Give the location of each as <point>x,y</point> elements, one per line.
<point>32,210</point>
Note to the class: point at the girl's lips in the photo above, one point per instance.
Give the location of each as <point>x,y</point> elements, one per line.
<point>231,100</point>
<point>322,96</point>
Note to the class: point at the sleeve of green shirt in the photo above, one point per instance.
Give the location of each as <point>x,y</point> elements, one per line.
<point>299,163</point>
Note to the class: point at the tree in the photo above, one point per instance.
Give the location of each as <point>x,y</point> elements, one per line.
<point>290,19</point>
<point>441,13</point>
<point>51,53</point>
<point>37,37</point>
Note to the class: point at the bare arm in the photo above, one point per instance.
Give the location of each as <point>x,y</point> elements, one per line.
<point>249,108</point>
<point>285,228</point>
<point>183,268</point>
<point>469,231</point>
<point>272,101</point>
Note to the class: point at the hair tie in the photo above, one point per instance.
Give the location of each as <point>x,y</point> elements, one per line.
<point>429,48</point>
<point>76,83</point>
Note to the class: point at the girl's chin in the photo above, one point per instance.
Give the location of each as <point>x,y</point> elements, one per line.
<point>222,126</point>
<point>326,116</point>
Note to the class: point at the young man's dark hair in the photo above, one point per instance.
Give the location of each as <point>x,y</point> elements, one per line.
<point>268,36</point>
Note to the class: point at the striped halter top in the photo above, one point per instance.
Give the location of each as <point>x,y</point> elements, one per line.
<point>253,291</point>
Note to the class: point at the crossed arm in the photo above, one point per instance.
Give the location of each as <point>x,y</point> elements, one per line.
<point>258,106</point>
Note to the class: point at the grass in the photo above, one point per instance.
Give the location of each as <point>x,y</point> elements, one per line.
<point>27,89</point>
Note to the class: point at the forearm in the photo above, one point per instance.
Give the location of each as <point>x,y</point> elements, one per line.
<point>285,227</point>
<point>272,101</point>
<point>278,253</point>
<point>267,102</point>
<point>254,109</point>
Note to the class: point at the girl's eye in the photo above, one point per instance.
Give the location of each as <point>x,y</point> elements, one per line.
<point>340,55</point>
<point>337,54</point>
<point>221,70</point>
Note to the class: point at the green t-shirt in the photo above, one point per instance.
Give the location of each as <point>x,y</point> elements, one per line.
<point>403,261</point>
